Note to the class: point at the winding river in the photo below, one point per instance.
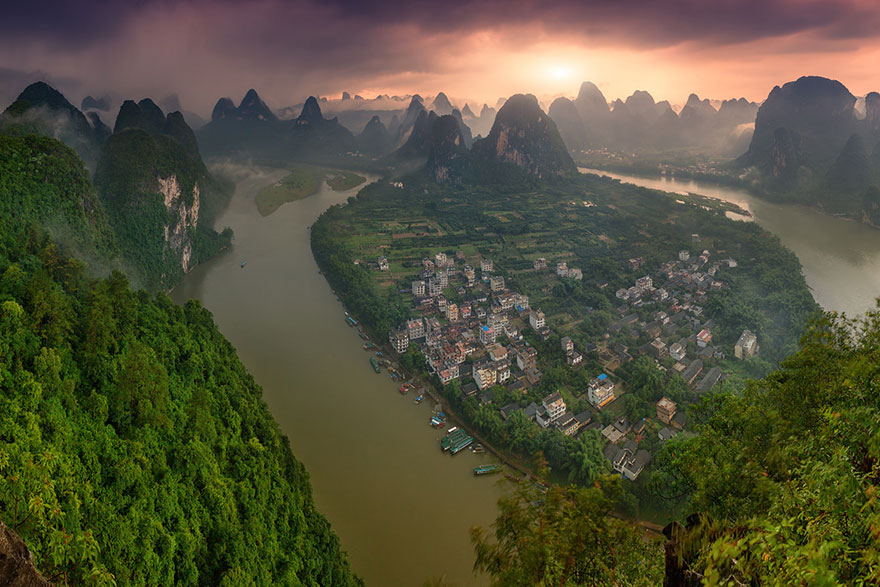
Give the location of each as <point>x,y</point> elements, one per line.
<point>401,507</point>
<point>840,258</point>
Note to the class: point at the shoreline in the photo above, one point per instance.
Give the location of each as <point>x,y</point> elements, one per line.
<point>720,185</point>
<point>429,388</point>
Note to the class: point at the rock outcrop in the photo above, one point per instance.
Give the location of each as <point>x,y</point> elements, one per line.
<point>17,563</point>
<point>524,136</point>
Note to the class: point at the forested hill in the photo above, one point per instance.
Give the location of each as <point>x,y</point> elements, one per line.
<point>134,446</point>
<point>783,477</point>
<point>43,181</point>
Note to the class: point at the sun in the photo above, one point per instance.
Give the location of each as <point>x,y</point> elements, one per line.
<point>559,72</point>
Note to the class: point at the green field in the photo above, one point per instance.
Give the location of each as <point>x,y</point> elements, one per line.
<point>340,181</point>
<point>302,182</point>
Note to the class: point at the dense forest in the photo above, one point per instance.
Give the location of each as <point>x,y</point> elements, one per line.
<point>784,474</point>
<point>135,449</point>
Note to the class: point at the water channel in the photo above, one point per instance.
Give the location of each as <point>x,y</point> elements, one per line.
<point>840,258</point>
<point>401,507</point>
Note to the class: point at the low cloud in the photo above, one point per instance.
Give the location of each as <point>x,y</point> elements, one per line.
<point>288,50</point>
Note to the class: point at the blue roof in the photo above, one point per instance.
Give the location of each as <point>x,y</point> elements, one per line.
<point>485,328</point>
<point>603,377</point>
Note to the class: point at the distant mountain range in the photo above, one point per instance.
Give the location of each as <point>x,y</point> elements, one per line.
<point>251,128</point>
<point>588,122</point>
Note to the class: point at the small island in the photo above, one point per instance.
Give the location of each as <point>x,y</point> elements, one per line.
<point>304,181</point>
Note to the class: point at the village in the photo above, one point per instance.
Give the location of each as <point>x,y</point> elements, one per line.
<point>478,341</point>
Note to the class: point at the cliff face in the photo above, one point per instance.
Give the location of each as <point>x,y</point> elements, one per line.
<point>17,563</point>
<point>448,150</point>
<point>526,137</point>
<point>159,197</point>
<point>183,219</point>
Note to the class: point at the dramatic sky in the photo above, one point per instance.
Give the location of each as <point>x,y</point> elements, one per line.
<point>474,49</point>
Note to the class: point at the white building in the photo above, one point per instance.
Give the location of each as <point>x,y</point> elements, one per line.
<point>487,334</point>
<point>486,265</point>
<point>400,340</point>
<point>562,269</point>
<point>418,288</point>
<point>677,351</point>
<point>536,320</point>
<point>496,283</point>
<point>554,405</point>
<point>601,391</point>
<point>746,346</point>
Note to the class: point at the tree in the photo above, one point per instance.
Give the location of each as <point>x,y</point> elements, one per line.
<point>566,537</point>
<point>585,459</point>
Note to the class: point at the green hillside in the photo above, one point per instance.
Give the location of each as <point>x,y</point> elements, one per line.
<point>135,449</point>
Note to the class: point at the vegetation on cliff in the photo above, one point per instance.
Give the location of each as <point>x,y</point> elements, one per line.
<point>135,449</point>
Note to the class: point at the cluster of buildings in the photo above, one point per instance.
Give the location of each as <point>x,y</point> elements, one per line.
<point>677,327</point>
<point>476,339</point>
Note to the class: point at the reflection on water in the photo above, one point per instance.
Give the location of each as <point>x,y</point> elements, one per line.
<point>841,258</point>
<point>400,506</point>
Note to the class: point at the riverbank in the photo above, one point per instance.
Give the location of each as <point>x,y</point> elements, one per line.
<point>401,507</point>
<point>840,258</point>
<point>304,181</point>
<point>721,181</point>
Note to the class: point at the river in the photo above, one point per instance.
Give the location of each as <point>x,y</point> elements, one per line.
<point>401,507</point>
<point>840,258</point>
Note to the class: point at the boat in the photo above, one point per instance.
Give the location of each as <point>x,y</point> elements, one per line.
<point>404,389</point>
<point>418,399</point>
<point>487,469</point>
<point>368,346</point>
<point>375,365</point>
<point>438,419</point>
<point>243,263</point>
<point>456,440</point>
<point>478,448</point>
<point>351,321</point>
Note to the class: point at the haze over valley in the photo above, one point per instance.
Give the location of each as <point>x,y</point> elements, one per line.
<point>345,293</point>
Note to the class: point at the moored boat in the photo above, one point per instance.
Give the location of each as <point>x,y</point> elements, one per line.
<point>418,399</point>
<point>375,364</point>
<point>487,469</point>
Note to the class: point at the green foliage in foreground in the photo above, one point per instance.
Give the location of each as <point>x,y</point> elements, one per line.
<point>786,473</point>
<point>565,537</point>
<point>135,449</point>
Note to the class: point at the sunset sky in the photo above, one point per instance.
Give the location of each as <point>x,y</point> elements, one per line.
<point>476,50</point>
